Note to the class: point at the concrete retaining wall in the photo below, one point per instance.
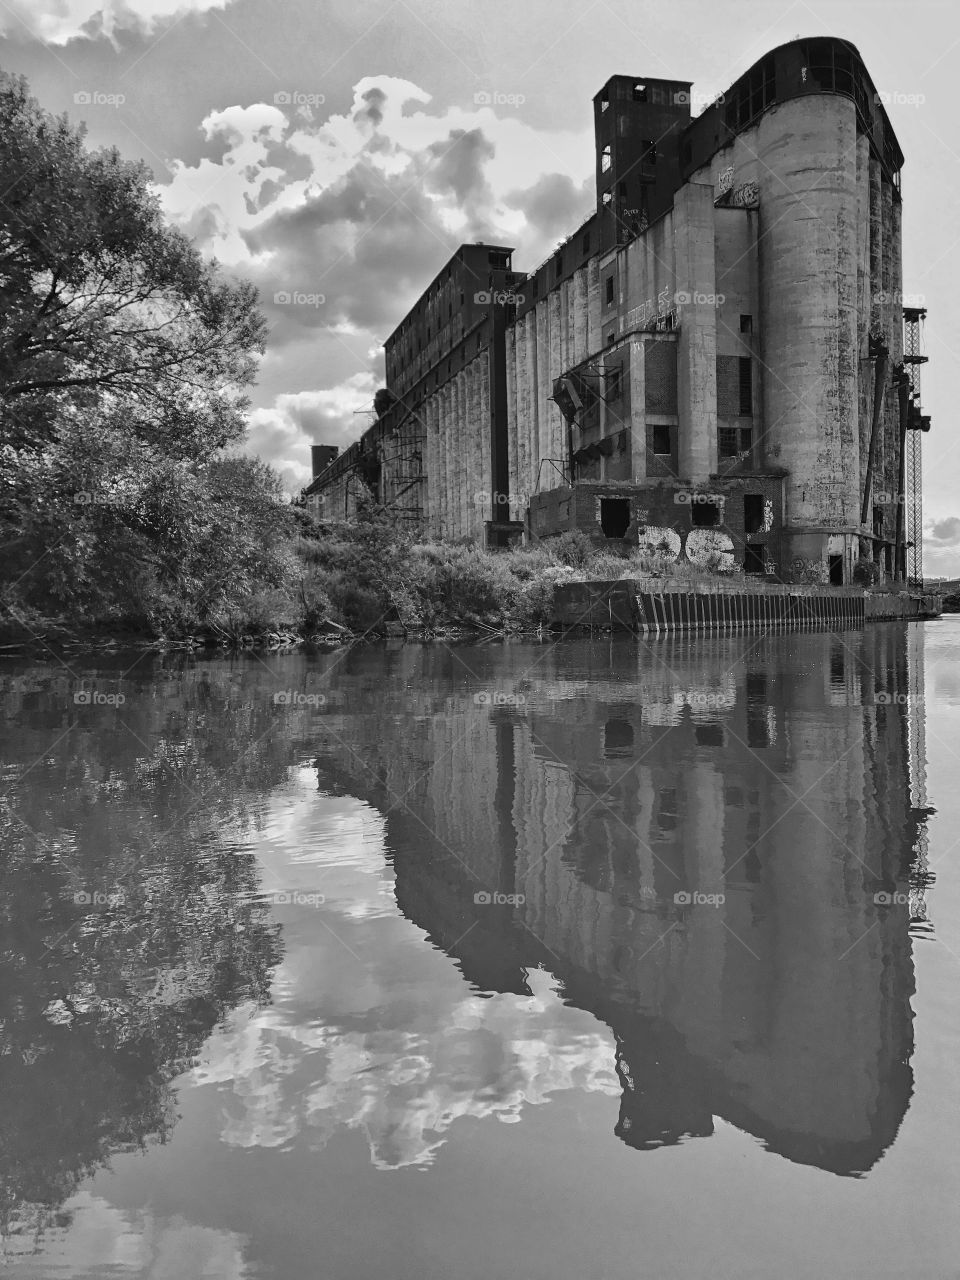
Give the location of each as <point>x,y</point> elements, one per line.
<point>650,606</point>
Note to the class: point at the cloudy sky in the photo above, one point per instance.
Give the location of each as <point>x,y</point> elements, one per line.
<point>336,151</point>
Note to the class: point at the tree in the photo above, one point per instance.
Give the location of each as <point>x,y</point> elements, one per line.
<point>102,304</point>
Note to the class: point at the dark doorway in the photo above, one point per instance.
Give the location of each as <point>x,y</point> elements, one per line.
<point>752,512</point>
<point>614,517</point>
<point>836,571</point>
<point>753,558</point>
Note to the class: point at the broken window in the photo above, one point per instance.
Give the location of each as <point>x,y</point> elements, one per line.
<point>705,514</point>
<point>752,512</point>
<point>836,571</point>
<point>733,442</point>
<point>614,517</point>
<point>613,377</point>
<point>606,159</point>
<point>639,92</point>
<point>746,324</point>
<point>753,560</point>
<point>661,439</point>
<point>609,289</point>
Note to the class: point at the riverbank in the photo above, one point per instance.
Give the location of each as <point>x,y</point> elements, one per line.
<point>363,579</point>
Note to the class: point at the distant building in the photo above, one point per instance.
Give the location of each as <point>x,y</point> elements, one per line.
<point>712,365</point>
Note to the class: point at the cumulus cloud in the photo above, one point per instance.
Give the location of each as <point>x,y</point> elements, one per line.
<point>342,221</point>
<point>943,533</point>
<point>59,21</point>
<point>283,433</point>
<point>554,206</point>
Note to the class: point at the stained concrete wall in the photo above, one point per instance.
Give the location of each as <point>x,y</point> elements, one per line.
<point>560,331</point>
<point>457,447</point>
<point>829,260</point>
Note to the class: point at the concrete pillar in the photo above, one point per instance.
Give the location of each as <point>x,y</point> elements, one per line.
<point>895,340</point>
<point>449,393</point>
<point>523,404</point>
<point>697,353</point>
<point>594,340</point>
<point>461,445</point>
<point>552,439</point>
<point>511,356</point>
<point>581,319</point>
<point>429,467</point>
<point>638,415</point>
<point>865,397</point>
<point>484,463</point>
<point>807,177</point>
<point>542,370</point>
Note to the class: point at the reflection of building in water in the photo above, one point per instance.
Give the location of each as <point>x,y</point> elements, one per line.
<point>703,844</point>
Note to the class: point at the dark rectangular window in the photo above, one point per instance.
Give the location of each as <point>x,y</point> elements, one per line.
<point>611,337</point>
<point>705,514</point>
<point>559,268</point>
<point>614,517</point>
<point>613,377</point>
<point>752,512</point>
<point>727,442</point>
<point>746,324</point>
<point>753,559</point>
<point>746,385</point>
<point>586,242</point>
<point>609,289</point>
<point>661,439</point>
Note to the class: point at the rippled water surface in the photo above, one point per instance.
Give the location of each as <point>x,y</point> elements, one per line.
<point>589,960</point>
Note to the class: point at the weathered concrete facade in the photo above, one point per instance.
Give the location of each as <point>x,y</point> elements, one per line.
<point>727,324</point>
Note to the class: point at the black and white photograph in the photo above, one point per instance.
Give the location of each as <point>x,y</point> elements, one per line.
<point>479,640</point>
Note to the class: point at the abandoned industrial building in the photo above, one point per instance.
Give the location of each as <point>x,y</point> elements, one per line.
<point>717,365</point>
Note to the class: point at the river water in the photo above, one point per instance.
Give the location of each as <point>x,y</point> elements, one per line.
<point>588,960</point>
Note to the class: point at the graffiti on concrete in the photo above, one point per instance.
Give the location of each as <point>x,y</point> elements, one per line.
<point>660,541</point>
<point>710,549</point>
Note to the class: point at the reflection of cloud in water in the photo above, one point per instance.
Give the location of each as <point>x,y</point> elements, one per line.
<point>314,1062</point>
<point>102,1240</point>
<point>479,1057</point>
<point>312,843</point>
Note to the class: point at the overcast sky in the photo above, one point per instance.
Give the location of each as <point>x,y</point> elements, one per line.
<point>337,150</point>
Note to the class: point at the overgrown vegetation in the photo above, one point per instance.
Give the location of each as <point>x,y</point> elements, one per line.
<point>369,573</point>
